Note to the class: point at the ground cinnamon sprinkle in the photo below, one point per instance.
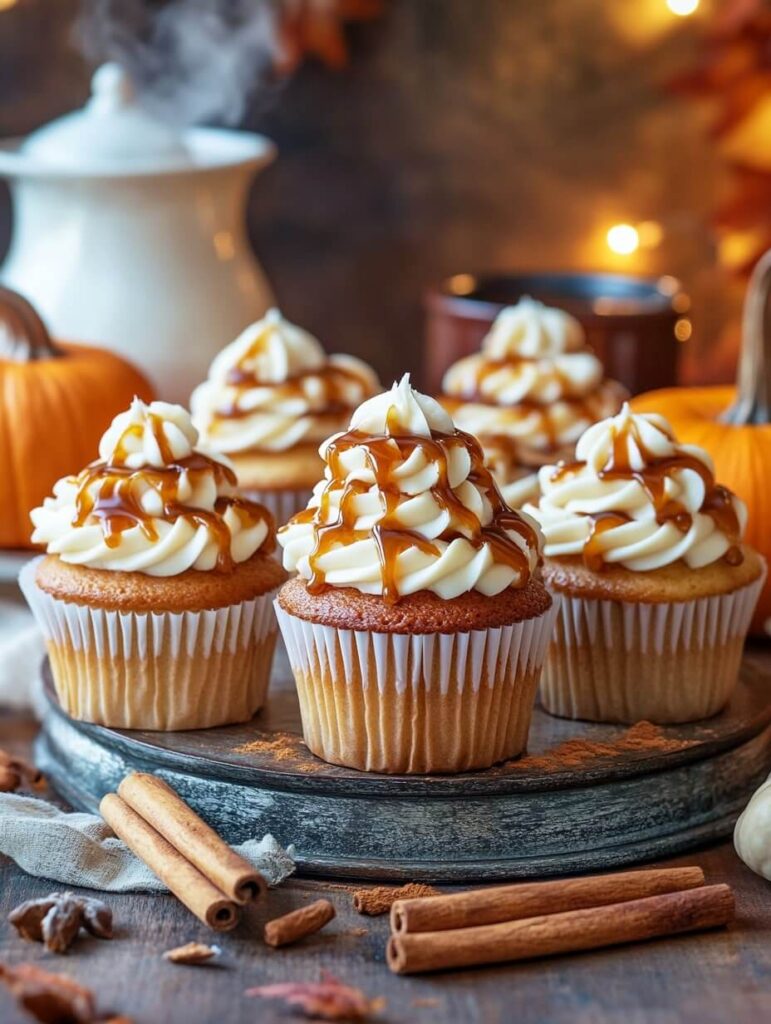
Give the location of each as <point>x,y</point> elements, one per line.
<point>642,737</point>
<point>380,899</point>
<point>284,747</point>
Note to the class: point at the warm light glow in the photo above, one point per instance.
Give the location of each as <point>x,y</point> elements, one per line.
<point>683,328</point>
<point>682,8</point>
<point>462,284</point>
<point>6,5</point>
<point>623,239</point>
<point>651,233</point>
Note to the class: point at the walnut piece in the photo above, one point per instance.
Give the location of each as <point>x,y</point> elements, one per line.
<point>193,953</point>
<point>53,998</point>
<point>56,919</point>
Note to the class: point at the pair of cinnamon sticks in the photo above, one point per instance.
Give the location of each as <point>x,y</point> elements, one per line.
<point>519,922</point>
<point>202,871</point>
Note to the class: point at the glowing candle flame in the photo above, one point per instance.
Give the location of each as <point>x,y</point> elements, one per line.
<point>623,239</point>
<point>682,8</point>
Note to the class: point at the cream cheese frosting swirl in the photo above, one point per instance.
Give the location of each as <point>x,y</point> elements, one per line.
<point>535,386</point>
<point>153,502</point>
<point>275,387</point>
<point>635,497</point>
<point>407,505</point>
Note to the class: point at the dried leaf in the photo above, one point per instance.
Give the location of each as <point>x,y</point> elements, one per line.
<point>27,918</point>
<point>97,917</point>
<point>49,998</point>
<point>193,953</point>
<point>328,999</point>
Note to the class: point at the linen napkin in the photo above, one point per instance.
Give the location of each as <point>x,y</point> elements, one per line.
<point>80,849</point>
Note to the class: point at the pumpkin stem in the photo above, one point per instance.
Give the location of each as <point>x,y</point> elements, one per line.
<point>23,335</point>
<point>753,398</point>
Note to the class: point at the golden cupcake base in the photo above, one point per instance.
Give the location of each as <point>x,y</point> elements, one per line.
<point>583,798</point>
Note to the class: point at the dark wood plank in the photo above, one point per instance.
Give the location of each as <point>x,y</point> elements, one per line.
<point>704,979</point>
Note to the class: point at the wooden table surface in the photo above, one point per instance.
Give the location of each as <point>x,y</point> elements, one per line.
<point>712,977</point>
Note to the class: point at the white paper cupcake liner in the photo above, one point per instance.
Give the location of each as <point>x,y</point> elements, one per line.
<point>156,670</point>
<point>394,702</point>
<point>283,504</point>
<point>623,661</point>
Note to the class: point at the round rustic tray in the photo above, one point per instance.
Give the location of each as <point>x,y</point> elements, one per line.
<point>586,797</point>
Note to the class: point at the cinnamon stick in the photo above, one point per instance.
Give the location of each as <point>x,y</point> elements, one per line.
<point>299,923</point>
<point>179,825</point>
<point>571,931</point>
<point>530,899</point>
<point>186,882</point>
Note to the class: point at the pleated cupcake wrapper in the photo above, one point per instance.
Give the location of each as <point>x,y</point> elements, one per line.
<point>416,702</point>
<point>626,661</point>
<point>156,670</point>
<point>283,504</point>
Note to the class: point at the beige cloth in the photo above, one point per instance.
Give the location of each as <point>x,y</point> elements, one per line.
<point>80,849</point>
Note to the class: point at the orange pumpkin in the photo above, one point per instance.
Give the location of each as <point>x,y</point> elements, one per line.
<point>56,401</point>
<point>734,424</point>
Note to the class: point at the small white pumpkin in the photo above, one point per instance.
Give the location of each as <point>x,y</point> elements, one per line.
<point>752,835</point>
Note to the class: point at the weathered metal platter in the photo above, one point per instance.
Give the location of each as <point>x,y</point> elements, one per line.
<point>614,798</point>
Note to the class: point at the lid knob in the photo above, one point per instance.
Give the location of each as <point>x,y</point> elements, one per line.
<point>111,87</point>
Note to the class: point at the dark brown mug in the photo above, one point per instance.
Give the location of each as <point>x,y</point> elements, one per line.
<point>632,323</point>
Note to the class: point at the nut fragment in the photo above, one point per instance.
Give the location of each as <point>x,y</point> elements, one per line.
<point>53,998</point>
<point>193,953</point>
<point>14,770</point>
<point>27,918</point>
<point>57,918</point>
<point>62,923</point>
<point>97,917</point>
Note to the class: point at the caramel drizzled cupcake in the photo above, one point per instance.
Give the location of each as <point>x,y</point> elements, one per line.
<point>529,394</point>
<point>417,624</point>
<point>272,396</point>
<point>155,597</point>
<point>657,589</point>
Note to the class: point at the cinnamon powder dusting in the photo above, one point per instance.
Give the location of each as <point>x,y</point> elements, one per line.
<point>380,899</point>
<point>284,747</point>
<point>642,737</point>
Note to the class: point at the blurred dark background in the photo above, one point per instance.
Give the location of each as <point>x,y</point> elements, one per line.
<point>449,136</point>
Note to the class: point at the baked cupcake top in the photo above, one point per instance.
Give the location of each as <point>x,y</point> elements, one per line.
<point>406,505</point>
<point>535,383</point>
<point>153,502</point>
<point>635,497</point>
<point>275,387</point>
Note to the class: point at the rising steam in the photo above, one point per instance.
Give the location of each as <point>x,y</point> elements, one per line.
<point>192,60</point>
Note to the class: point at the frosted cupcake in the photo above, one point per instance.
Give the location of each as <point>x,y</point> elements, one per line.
<point>657,589</point>
<point>417,625</point>
<point>529,394</point>
<point>272,396</point>
<point>155,597</point>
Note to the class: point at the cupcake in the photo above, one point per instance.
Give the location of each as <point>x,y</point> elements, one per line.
<point>529,394</point>
<point>272,396</point>
<point>656,587</point>
<point>155,596</point>
<point>417,624</point>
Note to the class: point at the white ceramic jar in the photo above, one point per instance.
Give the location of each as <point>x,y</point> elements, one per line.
<point>131,235</point>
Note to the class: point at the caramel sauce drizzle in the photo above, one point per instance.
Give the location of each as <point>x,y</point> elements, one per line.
<point>589,407</point>
<point>333,377</point>
<point>384,453</point>
<point>110,494</point>
<point>717,504</point>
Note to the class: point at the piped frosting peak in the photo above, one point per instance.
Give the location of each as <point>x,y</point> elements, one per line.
<point>636,497</point>
<point>154,502</point>
<point>275,387</point>
<point>405,505</point>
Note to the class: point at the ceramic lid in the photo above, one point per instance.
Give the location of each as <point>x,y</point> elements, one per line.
<point>112,131</point>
